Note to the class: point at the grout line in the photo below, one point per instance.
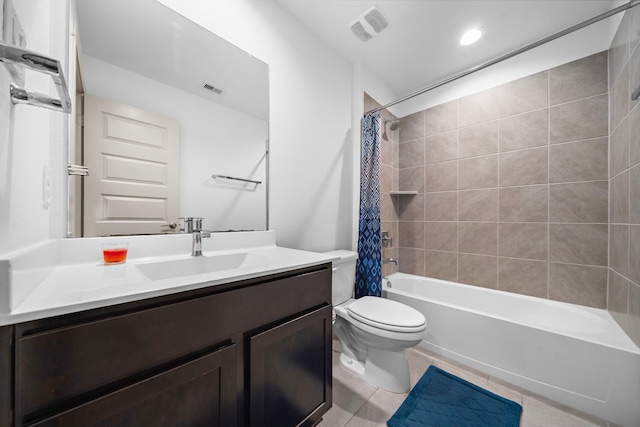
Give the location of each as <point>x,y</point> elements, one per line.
<point>548,185</point>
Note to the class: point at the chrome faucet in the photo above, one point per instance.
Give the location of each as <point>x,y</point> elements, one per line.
<point>196,244</point>
<point>390,260</point>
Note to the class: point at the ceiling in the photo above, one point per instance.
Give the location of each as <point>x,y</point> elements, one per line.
<point>420,45</point>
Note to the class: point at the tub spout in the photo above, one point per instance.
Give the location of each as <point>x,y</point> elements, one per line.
<point>390,260</point>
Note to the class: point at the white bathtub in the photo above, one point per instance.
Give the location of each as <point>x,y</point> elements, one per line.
<point>577,356</point>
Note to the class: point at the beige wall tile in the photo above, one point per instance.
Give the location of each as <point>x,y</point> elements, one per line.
<point>478,270</point>
<point>634,28</point>
<point>441,206</point>
<point>579,161</point>
<point>478,140</point>
<point>388,268</point>
<point>619,248</point>
<point>411,208</point>
<point>478,205</point>
<point>634,74</point>
<point>578,243</point>
<point>411,234</point>
<point>442,147</point>
<point>620,99</point>
<point>412,127</point>
<point>478,172</point>
<point>523,240</point>
<point>634,313</point>
<point>524,204</point>
<point>579,202</point>
<point>411,261</point>
<point>618,299</point>
<point>619,149</point>
<point>387,207</point>
<point>387,178</point>
<point>412,153</point>
<point>525,94</point>
<point>477,108</point>
<point>634,254</point>
<point>524,130</point>
<point>478,238</point>
<point>387,153</point>
<point>634,195</point>
<point>524,167</point>
<point>441,236</point>
<point>579,79</point>
<point>441,265</point>
<point>619,201</point>
<point>634,136</point>
<point>578,120</point>
<point>442,118</point>
<point>523,277</point>
<point>441,176</point>
<point>411,179</point>
<point>578,284</point>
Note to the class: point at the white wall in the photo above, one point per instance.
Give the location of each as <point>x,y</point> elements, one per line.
<point>32,138</point>
<point>311,136</point>
<point>213,139</point>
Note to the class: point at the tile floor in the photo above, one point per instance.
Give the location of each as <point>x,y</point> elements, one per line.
<point>358,404</point>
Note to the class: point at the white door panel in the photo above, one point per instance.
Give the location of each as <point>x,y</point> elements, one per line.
<point>132,155</point>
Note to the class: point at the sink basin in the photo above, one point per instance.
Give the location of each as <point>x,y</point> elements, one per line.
<point>201,265</point>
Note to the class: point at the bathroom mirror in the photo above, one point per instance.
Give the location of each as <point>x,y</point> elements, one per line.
<point>175,124</point>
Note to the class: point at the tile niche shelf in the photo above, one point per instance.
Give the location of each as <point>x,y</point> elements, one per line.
<point>404,193</point>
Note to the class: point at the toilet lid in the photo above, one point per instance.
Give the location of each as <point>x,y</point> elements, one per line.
<point>387,314</point>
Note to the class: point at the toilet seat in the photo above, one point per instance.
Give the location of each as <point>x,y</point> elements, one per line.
<point>386,314</point>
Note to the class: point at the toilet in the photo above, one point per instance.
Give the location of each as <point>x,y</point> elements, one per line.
<point>374,332</point>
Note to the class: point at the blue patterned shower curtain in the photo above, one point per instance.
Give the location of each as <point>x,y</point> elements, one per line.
<point>369,266</point>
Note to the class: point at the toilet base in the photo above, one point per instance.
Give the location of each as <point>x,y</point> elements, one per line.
<point>386,369</point>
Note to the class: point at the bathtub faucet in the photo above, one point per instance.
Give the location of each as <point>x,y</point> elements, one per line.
<point>390,260</point>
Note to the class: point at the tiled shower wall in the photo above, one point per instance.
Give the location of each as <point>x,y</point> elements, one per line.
<point>624,176</point>
<point>388,183</point>
<point>512,186</point>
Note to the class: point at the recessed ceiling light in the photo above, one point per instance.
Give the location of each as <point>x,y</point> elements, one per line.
<point>471,36</point>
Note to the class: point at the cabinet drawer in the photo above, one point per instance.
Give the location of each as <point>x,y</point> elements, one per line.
<point>197,393</point>
<point>57,368</point>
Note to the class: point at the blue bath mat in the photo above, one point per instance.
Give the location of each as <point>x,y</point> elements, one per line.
<point>441,399</point>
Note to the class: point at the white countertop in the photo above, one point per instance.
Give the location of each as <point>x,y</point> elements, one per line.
<point>67,276</point>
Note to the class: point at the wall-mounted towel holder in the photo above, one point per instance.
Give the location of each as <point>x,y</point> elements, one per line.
<point>216,176</point>
<point>33,61</point>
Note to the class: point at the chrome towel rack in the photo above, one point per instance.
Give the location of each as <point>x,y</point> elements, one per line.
<point>216,176</point>
<point>24,58</point>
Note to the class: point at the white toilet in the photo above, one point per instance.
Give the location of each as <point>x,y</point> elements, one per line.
<point>374,332</point>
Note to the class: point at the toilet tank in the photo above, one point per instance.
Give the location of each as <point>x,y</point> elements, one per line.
<point>344,275</point>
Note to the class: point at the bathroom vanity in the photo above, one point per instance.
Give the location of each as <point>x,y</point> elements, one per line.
<point>254,351</point>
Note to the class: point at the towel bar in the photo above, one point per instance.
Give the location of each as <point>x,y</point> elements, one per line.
<point>236,179</point>
<point>33,61</point>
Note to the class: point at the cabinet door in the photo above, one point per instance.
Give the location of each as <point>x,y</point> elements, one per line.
<point>290,372</point>
<point>198,393</point>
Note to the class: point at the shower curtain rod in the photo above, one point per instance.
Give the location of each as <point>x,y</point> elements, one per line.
<point>632,3</point>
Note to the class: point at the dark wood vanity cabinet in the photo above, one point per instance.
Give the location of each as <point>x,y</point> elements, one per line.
<point>250,353</point>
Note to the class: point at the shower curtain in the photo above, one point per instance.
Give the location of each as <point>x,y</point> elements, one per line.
<point>369,266</point>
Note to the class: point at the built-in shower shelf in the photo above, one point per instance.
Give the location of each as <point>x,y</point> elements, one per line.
<point>404,193</point>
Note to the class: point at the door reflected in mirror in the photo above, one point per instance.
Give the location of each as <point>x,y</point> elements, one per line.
<point>167,104</point>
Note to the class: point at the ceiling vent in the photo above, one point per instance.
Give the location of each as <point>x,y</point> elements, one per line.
<point>213,89</point>
<point>371,22</point>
